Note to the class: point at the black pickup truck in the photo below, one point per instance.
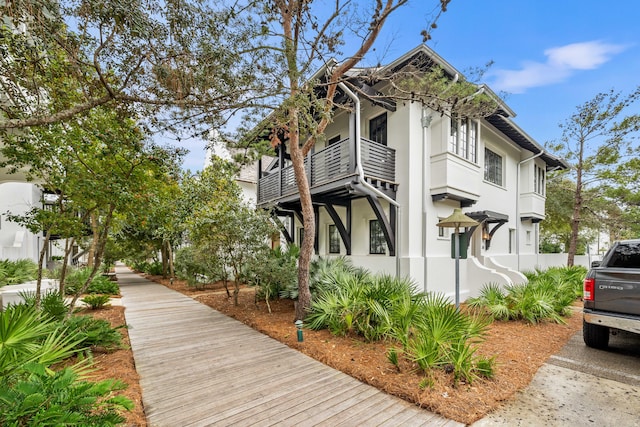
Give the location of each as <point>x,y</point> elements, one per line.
<point>612,294</point>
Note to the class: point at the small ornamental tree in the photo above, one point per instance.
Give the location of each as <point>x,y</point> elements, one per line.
<point>221,225</point>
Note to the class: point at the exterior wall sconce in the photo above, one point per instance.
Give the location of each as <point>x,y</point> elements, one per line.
<point>485,233</point>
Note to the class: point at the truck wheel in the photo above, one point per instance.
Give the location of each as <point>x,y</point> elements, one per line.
<point>595,336</point>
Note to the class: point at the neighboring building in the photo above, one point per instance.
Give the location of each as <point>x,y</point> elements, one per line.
<point>247,178</point>
<point>389,172</point>
<point>16,242</point>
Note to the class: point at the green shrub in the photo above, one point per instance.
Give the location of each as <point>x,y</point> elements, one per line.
<point>27,336</point>
<point>154,268</point>
<point>433,333</point>
<point>96,301</point>
<point>548,295</point>
<point>100,284</point>
<point>94,333</point>
<point>274,273</point>
<point>60,398</point>
<point>52,304</point>
<point>31,393</point>
<point>196,268</point>
<point>16,272</point>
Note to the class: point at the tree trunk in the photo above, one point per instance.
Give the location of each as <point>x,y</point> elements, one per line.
<point>306,250</point>
<point>100,241</point>
<point>165,258</point>
<point>41,261</point>
<point>172,272</point>
<point>65,261</point>
<point>577,208</point>
<point>95,233</point>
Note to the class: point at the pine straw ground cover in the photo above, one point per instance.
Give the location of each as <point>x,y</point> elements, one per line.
<point>520,349</point>
<point>119,365</point>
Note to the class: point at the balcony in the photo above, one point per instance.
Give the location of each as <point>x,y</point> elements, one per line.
<point>532,206</point>
<point>330,170</point>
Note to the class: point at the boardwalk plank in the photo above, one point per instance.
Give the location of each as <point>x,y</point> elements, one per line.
<point>198,368</point>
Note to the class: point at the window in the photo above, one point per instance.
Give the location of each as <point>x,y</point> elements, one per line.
<point>300,236</point>
<point>377,242</point>
<point>538,180</point>
<point>492,167</point>
<point>334,240</point>
<point>443,232</point>
<point>334,140</point>
<point>463,138</point>
<point>378,129</point>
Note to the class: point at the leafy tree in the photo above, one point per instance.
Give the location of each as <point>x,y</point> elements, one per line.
<point>221,225</point>
<point>597,142</point>
<point>98,167</point>
<point>187,59</point>
<point>304,35</point>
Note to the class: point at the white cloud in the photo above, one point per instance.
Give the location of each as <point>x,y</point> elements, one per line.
<point>561,63</point>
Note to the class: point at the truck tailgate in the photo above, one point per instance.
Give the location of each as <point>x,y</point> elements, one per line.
<point>618,290</point>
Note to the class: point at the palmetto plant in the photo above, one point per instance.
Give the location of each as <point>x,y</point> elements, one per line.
<point>548,296</point>
<point>28,337</point>
<point>60,398</point>
<point>432,332</point>
<point>19,271</point>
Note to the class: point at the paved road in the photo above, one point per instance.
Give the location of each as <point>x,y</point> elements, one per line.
<point>580,386</point>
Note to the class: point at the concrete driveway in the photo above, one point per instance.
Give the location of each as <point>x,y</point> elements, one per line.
<point>580,386</point>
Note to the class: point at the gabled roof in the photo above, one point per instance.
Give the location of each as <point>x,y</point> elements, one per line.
<point>501,119</point>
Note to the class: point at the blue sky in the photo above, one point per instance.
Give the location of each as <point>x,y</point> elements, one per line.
<point>550,56</point>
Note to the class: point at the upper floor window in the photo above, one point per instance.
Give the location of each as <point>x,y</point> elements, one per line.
<point>377,241</point>
<point>463,138</point>
<point>538,180</point>
<point>492,167</point>
<point>334,240</point>
<point>334,140</point>
<point>378,129</point>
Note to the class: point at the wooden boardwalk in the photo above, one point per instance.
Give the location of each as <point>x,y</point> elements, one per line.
<point>199,367</point>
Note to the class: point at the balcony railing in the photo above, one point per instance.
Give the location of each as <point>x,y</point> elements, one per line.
<point>330,164</point>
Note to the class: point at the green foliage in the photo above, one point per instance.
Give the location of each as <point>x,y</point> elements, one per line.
<point>392,357</point>
<point>40,397</point>
<point>31,392</point>
<point>432,332</point>
<point>154,268</point>
<point>486,367</point>
<point>599,191</point>
<point>273,272</point>
<point>16,272</point>
<point>443,338</point>
<point>52,304</point>
<point>96,301</point>
<point>547,296</point>
<point>100,284</point>
<point>94,333</point>
<point>426,382</point>
<point>27,336</point>
<point>197,267</point>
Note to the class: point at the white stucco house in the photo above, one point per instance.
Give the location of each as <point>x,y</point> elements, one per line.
<point>389,172</point>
